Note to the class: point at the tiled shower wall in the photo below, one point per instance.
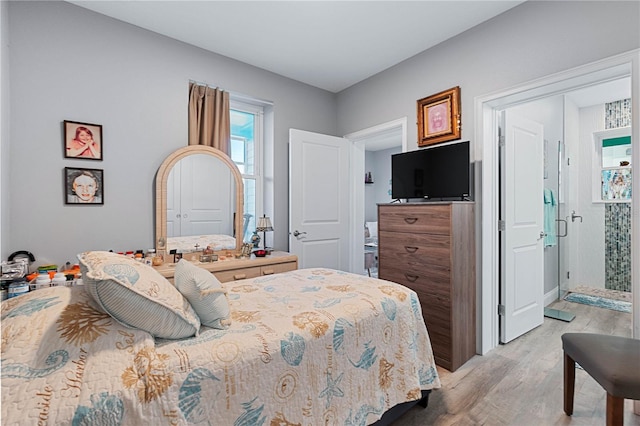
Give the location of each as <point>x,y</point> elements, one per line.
<point>617,225</point>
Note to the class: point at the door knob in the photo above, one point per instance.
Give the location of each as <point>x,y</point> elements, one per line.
<point>542,235</point>
<point>296,233</point>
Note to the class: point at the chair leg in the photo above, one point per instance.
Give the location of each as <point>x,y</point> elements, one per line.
<point>569,383</point>
<point>615,410</point>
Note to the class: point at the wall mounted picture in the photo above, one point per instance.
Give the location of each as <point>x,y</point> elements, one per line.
<point>83,186</point>
<point>439,117</point>
<point>82,140</point>
<point>616,184</point>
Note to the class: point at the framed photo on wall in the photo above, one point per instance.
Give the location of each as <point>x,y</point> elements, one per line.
<point>83,186</point>
<point>82,140</point>
<point>439,118</point>
<point>616,184</point>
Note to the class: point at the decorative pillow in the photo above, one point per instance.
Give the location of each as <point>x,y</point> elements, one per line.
<point>137,296</point>
<point>205,293</point>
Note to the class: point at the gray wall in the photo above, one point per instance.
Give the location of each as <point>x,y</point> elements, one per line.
<point>4,127</point>
<point>532,40</point>
<point>68,63</point>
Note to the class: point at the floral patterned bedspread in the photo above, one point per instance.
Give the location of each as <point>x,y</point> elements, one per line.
<point>307,347</point>
<point>216,241</point>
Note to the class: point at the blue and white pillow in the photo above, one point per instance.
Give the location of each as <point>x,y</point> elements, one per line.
<point>205,293</point>
<point>137,296</point>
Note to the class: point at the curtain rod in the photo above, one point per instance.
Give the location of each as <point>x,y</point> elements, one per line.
<point>235,95</point>
<point>200,83</point>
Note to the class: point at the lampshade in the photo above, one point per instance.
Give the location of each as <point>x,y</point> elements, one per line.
<point>264,224</point>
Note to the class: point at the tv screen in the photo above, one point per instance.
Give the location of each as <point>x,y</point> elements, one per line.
<point>432,173</point>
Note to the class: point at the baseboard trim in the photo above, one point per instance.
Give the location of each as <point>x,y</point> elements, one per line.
<point>551,296</point>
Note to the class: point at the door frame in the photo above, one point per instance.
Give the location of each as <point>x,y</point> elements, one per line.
<point>356,182</point>
<point>486,109</point>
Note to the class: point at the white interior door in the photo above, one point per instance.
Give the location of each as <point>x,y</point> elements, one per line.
<point>522,271</point>
<point>319,200</point>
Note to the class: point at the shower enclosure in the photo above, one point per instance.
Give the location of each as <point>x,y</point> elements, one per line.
<point>594,190</point>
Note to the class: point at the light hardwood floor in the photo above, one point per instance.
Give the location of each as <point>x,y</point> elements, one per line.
<point>521,383</point>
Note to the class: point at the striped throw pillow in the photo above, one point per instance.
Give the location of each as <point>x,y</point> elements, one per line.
<point>205,293</point>
<point>137,296</point>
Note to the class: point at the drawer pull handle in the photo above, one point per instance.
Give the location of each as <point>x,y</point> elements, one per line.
<point>411,220</point>
<point>239,276</point>
<point>267,272</point>
<point>411,249</point>
<point>411,278</point>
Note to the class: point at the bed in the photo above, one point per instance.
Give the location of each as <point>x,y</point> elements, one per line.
<point>307,347</point>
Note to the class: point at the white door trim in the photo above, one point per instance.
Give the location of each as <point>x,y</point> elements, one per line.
<point>485,108</point>
<point>356,165</point>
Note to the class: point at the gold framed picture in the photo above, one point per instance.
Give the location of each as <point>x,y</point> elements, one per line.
<point>439,118</point>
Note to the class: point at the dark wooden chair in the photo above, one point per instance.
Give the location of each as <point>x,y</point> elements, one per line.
<point>612,361</point>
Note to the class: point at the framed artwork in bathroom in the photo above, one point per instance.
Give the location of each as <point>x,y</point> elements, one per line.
<point>616,184</point>
<point>83,186</point>
<point>82,140</point>
<point>439,117</point>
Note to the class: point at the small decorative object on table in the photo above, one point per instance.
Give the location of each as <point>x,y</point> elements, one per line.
<point>246,249</point>
<point>264,225</point>
<point>158,259</point>
<point>260,253</point>
<point>255,239</point>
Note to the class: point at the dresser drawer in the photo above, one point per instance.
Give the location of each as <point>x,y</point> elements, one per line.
<point>415,219</point>
<point>278,267</point>
<point>442,346</point>
<point>434,282</point>
<point>437,310</point>
<point>437,318</point>
<point>238,274</point>
<point>424,249</point>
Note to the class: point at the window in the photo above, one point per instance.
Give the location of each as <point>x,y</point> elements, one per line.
<point>613,168</point>
<point>246,152</point>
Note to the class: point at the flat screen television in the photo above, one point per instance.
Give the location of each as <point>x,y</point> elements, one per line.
<point>438,173</point>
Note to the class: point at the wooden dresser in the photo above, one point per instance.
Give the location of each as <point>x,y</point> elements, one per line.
<point>239,269</point>
<point>430,248</point>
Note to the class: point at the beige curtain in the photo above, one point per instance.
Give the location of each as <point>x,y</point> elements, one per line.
<point>209,122</point>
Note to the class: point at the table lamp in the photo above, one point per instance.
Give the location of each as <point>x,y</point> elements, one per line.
<point>264,225</point>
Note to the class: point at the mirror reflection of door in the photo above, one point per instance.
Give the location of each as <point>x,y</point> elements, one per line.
<point>200,189</point>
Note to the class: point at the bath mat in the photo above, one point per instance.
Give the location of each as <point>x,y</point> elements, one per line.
<point>624,296</point>
<point>600,302</point>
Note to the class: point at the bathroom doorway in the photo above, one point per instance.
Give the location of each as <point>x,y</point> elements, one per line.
<point>582,214</point>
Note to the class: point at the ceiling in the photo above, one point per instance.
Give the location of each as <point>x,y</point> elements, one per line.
<point>327,44</point>
<point>602,93</point>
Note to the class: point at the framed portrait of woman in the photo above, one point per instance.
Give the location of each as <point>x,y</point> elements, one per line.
<point>82,140</point>
<point>439,117</point>
<point>83,186</point>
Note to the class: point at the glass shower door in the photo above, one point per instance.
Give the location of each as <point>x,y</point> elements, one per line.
<point>562,225</point>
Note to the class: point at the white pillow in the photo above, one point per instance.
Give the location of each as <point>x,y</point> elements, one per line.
<point>205,293</point>
<point>373,229</point>
<point>137,296</point>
